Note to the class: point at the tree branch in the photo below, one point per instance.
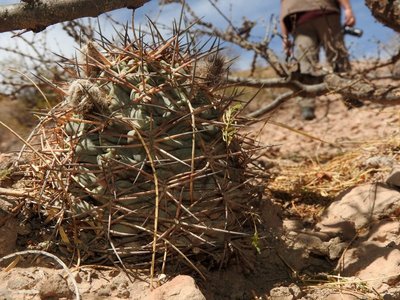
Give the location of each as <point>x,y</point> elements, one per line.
<point>386,12</point>
<point>271,106</point>
<point>279,82</point>
<point>259,82</point>
<point>358,88</point>
<point>363,90</point>
<point>37,15</point>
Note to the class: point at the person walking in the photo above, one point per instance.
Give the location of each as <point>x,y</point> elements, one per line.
<point>312,24</point>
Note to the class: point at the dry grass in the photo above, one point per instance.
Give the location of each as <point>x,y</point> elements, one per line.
<point>305,189</point>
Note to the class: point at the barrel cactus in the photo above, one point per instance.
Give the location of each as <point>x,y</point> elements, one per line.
<point>142,163</point>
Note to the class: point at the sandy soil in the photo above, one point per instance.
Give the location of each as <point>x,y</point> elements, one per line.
<point>335,130</point>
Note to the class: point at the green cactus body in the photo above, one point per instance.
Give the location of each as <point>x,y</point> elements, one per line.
<point>145,158</point>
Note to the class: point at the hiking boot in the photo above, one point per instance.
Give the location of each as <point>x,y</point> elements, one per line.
<point>308,113</point>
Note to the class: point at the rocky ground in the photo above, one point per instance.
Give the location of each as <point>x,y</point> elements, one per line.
<point>335,188</point>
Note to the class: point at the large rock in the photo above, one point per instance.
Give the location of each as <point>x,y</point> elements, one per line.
<point>378,267</point>
<point>181,287</point>
<point>55,287</point>
<point>375,257</point>
<point>359,208</point>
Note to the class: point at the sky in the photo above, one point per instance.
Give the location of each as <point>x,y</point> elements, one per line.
<point>374,41</point>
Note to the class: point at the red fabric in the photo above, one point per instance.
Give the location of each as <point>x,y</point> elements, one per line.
<point>310,15</point>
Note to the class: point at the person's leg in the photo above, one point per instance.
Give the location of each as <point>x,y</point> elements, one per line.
<point>331,35</point>
<point>306,46</point>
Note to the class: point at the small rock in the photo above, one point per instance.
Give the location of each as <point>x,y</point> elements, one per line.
<point>393,178</point>
<point>336,248</point>
<point>119,282</point>
<point>104,291</point>
<point>281,293</point>
<point>379,162</point>
<point>181,287</point>
<point>292,225</point>
<point>123,293</point>
<point>311,243</point>
<point>296,291</point>
<point>55,286</point>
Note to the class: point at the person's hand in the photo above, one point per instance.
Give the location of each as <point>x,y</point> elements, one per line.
<point>349,18</point>
<point>287,45</point>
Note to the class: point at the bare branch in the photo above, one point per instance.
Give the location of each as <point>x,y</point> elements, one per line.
<point>261,49</point>
<point>273,105</point>
<point>37,15</point>
<point>79,31</point>
<point>358,88</point>
<point>258,82</point>
<point>292,83</point>
<point>240,38</point>
<point>363,90</point>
